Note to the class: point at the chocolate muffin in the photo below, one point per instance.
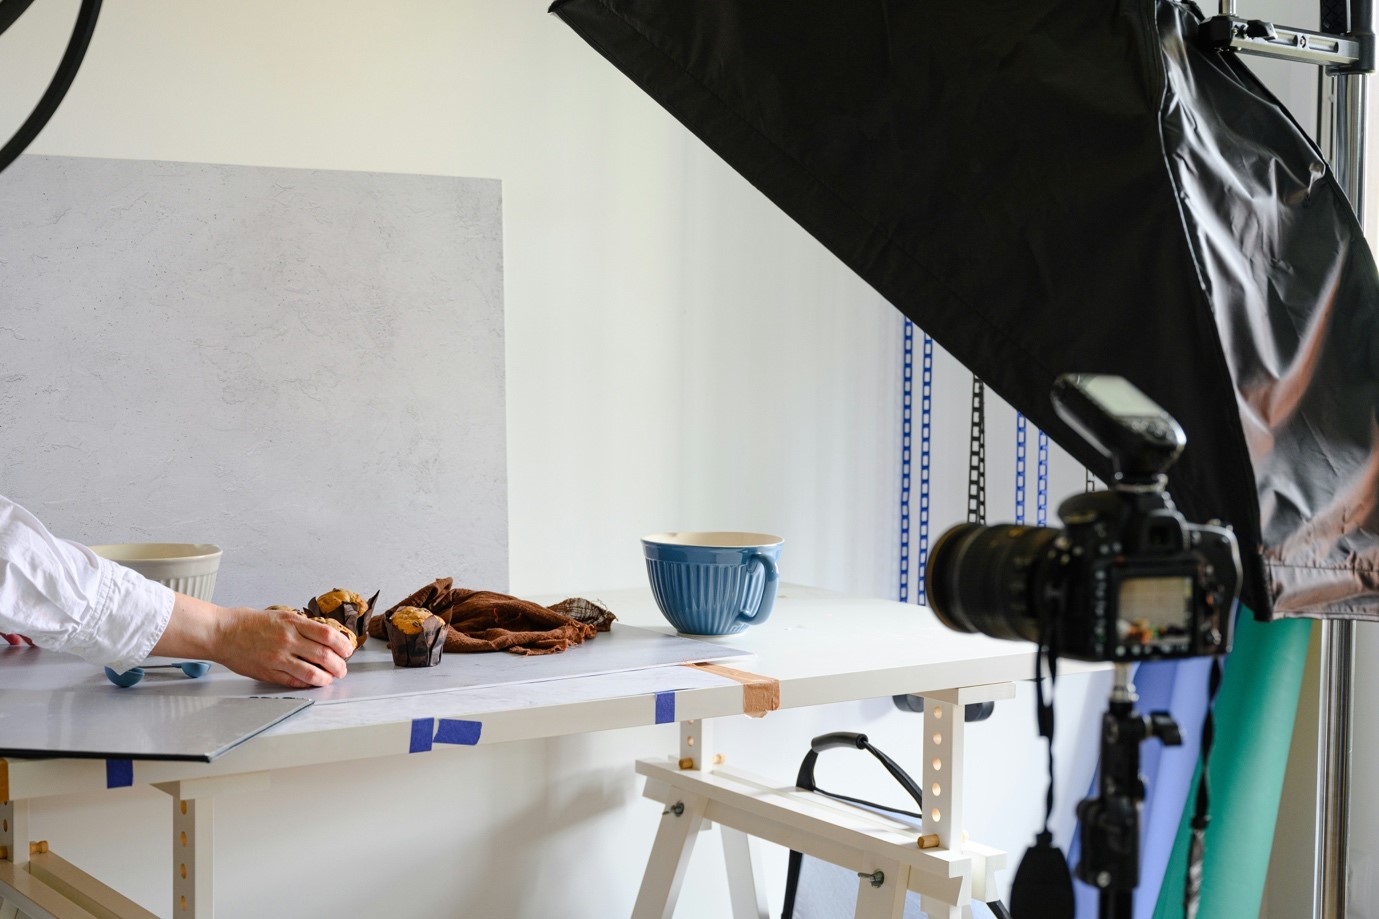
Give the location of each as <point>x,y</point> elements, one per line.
<point>415,636</point>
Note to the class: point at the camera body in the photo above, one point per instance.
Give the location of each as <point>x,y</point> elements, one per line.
<point>1127,578</point>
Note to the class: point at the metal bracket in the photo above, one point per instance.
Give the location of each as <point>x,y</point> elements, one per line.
<point>1348,53</point>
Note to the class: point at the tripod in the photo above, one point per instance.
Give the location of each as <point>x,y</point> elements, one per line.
<point>1110,822</point>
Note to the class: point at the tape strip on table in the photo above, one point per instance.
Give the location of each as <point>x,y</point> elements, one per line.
<point>760,694</point>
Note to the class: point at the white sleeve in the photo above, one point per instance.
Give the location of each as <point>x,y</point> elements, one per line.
<point>66,598</point>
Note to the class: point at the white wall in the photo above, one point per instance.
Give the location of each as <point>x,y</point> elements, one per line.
<point>679,355</point>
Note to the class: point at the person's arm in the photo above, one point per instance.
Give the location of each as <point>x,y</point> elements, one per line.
<point>278,646</point>
<point>64,597</point>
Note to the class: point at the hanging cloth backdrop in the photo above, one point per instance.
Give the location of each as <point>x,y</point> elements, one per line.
<point>1067,186</point>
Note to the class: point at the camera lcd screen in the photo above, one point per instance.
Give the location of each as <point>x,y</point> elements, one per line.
<point>1155,610</point>
<point>1118,396</point>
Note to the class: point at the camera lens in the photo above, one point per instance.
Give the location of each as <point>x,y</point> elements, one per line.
<point>989,579</point>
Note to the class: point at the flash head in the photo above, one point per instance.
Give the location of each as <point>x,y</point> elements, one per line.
<point>1140,438</point>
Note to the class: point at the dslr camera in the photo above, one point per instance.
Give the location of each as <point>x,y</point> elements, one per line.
<point>1126,579</point>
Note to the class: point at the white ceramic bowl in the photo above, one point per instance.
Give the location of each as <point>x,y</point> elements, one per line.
<point>188,568</point>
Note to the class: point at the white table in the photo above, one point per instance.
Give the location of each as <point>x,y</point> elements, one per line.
<point>821,647</point>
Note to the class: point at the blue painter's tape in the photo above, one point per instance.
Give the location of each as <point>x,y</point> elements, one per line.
<point>665,707</point>
<point>422,729</point>
<point>119,773</point>
<point>459,732</point>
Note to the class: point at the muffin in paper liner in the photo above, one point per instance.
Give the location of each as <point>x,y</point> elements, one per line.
<point>345,607</point>
<point>338,626</point>
<point>416,636</point>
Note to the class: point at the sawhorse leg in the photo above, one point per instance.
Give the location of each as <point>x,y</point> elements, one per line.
<point>948,875</point>
<point>14,841</point>
<point>670,855</point>
<point>681,824</point>
<point>746,886</point>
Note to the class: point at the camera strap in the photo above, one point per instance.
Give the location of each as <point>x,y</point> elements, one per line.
<point>1043,885</point>
<point>1197,843</point>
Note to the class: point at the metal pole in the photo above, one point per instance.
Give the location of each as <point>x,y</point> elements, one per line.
<point>1342,134</point>
<point>1345,43</point>
<point>1333,769</point>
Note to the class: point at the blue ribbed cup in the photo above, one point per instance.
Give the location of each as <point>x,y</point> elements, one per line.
<point>713,583</point>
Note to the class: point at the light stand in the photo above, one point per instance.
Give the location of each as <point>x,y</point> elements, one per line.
<point>1345,49</point>
<point>1110,822</point>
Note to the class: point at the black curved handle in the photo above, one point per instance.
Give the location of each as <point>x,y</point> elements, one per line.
<point>900,776</point>
<point>11,10</point>
<point>805,779</point>
<point>62,80</point>
<point>838,739</point>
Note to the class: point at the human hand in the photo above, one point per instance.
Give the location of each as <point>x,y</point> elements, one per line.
<point>277,646</point>
<point>17,639</point>
<point>280,646</point>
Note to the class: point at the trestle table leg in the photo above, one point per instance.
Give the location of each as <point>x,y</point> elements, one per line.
<point>746,885</point>
<point>193,820</point>
<point>670,855</point>
<point>193,834</point>
<point>14,840</point>
<point>14,832</point>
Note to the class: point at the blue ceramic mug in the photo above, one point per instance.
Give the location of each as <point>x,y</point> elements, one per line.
<point>713,583</point>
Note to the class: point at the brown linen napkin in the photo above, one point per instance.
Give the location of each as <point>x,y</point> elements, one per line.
<point>481,620</point>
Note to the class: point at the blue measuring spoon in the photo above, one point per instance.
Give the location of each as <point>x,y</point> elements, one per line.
<point>192,669</point>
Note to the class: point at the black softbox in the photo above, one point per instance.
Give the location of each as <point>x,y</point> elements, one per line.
<point>1056,186</point>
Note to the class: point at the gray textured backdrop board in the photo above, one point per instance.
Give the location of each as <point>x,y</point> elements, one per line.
<point>110,723</point>
<point>303,367</point>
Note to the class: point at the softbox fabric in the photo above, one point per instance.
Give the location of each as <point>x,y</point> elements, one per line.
<point>1068,186</point>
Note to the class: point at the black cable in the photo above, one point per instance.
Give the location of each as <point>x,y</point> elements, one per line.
<point>805,782</point>
<point>871,804</point>
<point>998,909</point>
<point>10,10</point>
<point>62,81</point>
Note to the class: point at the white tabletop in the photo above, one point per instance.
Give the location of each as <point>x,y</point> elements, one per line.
<point>826,647</point>
<point>821,647</point>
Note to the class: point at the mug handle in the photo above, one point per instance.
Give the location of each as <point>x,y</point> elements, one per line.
<point>768,593</point>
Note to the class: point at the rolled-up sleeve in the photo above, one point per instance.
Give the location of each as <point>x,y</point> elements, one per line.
<point>65,597</point>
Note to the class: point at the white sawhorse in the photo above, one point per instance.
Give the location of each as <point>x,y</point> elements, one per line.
<point>889,857</point>
<point>37,884</point>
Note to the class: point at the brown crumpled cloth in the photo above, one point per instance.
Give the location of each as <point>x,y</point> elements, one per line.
<point>481,620</point>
